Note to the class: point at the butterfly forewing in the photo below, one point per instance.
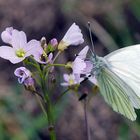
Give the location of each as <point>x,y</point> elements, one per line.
<point>114,91</point>
<point>126,64</point>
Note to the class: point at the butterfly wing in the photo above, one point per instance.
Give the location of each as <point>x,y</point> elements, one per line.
<point>114,91</point>
<point>125,63</point>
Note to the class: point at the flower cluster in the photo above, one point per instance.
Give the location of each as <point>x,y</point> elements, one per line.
<point>19,49</point>
<point>81,68</point>
<point>39,62</point>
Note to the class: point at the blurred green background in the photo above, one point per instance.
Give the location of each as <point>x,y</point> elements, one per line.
<point>114,23</point>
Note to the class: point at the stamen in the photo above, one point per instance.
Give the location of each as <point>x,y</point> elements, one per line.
<point>20,53</point>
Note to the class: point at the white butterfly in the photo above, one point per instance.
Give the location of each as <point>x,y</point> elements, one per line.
<point>118,79</point>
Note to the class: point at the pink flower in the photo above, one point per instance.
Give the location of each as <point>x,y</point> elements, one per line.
<point>79,65</point>
<point>20,48</point>
<point>72,37</point>
<point>71,79</point>
<point>22,73</point>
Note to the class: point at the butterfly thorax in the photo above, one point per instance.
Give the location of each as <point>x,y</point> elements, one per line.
<point>98,64</point>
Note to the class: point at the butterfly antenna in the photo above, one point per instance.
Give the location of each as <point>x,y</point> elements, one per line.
<point>91,39</point>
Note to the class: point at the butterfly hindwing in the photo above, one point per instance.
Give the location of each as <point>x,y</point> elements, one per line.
<point>114,91</point>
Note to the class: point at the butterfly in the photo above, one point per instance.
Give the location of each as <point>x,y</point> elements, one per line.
<point>118,79</point>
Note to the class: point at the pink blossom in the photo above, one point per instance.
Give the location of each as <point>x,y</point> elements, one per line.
<point>71,79</point>
<point>72,37</point>
<point>20,47</point>
<point>79,65</point>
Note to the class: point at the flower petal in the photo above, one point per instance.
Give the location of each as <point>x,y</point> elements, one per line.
<point>66,77</point>
<point>19,39</point>
<point>78,66</point>
<point>8,53</point>
<point>33,48</point>
<point>22,70</point>
<point>50,58</point>
<point>88,68</point>
<point>73,36</point>
<point>6,35</point>
<point>64,84</point>
<point>22,39</point>
<point>83,53</point>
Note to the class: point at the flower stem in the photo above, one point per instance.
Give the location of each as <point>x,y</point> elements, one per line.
<point>41,105</point>
<point>56,56</point>
<point>60,65</point>
<point>49,107</point>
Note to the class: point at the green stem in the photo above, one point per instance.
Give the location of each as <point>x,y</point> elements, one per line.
<point>56,56</point>
<point>41,105</point>
<point>49,107</point>
<point>53,135</point>
<point>60,65</point>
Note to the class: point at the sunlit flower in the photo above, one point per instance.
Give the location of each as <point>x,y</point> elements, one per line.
<point>20,48</point>
<point>71,79</point>
<point>72,37</point>
<point>22,73</point>
<point>80,65</point>
<point>6,35</point>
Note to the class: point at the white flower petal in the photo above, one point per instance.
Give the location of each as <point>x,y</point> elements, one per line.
<point>88,68</point>
<point>15,39</point>
<point>6,35</point>
<point>66,77</point>
<point>22,39</point>
<point>73,36</point>
<point>78,66</point>
<point>8,53</point>
<point>33,48</point>
<point>83,53</point>
<point>64,84</point>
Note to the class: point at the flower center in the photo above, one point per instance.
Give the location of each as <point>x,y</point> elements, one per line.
<point>71,81</point>
<point>20,53</point>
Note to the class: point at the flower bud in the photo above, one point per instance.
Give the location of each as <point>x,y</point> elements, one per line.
<point>29,84</point>
<point>43,41</point>
<point>54,42</point>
